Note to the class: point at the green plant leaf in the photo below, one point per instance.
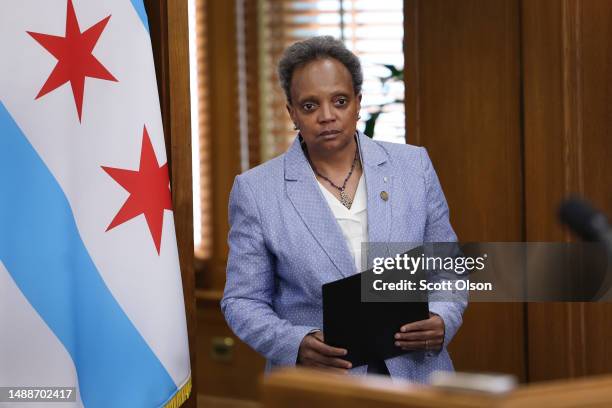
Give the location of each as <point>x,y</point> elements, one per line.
<point>395,73</point>
<point>371,123</point>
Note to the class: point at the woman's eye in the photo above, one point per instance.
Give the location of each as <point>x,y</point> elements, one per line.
<point>341,101</point>
<point>308,106</point>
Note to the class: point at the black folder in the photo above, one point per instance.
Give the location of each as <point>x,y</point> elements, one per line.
<point>365,329</point>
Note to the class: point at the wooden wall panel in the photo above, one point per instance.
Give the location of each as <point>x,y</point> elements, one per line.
<point>237,377</point>
<point>595,100</point>
<point>567,59</point>
<point>463,104</point>
<point>596,150</point>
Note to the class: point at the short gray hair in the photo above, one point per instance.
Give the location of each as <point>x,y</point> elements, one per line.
<point>314,48</point>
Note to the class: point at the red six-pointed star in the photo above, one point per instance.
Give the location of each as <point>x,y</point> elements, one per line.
<point>149,189</point>
<point>74,57</point>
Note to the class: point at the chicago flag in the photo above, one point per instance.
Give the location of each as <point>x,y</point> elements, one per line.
<point>90,288</point>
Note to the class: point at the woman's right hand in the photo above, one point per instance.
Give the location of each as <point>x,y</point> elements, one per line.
<point>314,352</point>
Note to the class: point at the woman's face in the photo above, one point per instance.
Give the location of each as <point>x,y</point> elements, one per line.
<point>324,105</point>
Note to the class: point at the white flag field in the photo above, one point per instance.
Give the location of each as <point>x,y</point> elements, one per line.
<point>90,286</point>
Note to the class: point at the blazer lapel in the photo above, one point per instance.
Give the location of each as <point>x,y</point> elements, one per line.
<point>379,183</point>
<point>306,197</point>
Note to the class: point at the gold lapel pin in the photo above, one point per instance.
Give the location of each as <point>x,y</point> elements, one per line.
<point>384,195</point>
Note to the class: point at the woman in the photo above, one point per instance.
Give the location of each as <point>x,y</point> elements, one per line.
<point>298,221</point>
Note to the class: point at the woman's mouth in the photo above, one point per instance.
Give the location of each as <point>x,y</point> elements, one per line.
<point>329,133</point>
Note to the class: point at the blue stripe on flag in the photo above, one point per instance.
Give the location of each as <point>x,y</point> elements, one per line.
<point>41,248</point>
<point>142,13</point>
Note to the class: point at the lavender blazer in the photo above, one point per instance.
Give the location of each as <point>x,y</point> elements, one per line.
<point>284,243</point>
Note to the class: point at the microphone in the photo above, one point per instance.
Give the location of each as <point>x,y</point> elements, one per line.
<point>586,222</point>
<point>591,225</point>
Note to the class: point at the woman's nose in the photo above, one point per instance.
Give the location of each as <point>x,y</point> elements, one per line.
<point>326,113</point>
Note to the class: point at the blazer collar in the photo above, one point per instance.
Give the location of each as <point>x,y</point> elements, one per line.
<point>312,207</point>
<point>298,168</point>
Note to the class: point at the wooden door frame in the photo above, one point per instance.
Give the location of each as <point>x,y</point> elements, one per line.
<point>169,30</point>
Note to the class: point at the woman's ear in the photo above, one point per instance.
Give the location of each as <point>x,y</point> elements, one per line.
<point>291,112</point>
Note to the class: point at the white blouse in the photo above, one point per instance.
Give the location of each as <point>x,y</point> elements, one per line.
<point>353,222</point>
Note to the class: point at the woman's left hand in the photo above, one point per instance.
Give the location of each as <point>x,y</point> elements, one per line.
<point>422,335</point>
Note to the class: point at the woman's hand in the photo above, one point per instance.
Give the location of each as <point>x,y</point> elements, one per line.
<point>422,335</point>
<point>314,352</point>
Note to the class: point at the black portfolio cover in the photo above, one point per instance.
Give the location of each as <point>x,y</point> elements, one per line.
<point>365,329</point>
